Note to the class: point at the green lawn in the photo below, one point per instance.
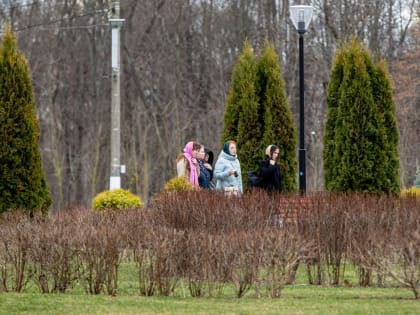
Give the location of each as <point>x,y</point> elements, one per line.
<point>297,299</point>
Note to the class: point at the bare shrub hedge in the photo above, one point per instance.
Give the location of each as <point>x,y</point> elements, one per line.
<point>208,240</point>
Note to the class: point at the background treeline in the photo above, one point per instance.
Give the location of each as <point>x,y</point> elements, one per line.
<point>177,60</point>
<point>254,243</point>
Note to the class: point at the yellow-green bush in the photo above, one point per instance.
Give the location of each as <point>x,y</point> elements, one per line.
<point>116,199</point>
<point>178,183</point>
<point>411,192</point>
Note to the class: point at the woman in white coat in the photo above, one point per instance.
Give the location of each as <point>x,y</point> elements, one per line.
<point>228,170</point>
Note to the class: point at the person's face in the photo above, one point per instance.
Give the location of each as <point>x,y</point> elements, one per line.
<point>195,153</point>
<point>201,154</point>
<point>206,157</point>
<point>232,149</point>
<point>275,155</point>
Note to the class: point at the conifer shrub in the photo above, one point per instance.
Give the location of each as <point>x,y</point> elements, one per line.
<point>22,179</point>
<point>241,96</point>
<point>116,199</point>
<point>241,118</point>
<point>177,184</point>
<point>257,113</point>
<point>276,118</point>
<point>361,135</point>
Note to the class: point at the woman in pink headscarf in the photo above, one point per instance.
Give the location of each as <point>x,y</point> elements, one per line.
<point>187,164</point>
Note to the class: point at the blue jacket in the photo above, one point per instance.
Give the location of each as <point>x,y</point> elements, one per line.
<point>224,164</point>
<point>204,180</point>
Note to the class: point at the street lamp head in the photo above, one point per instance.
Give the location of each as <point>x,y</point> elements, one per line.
<point>301,16</point>
<point>116,22</point>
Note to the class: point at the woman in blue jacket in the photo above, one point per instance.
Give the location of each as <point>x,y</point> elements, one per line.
<point>228,170</point>
<point>205,161</point>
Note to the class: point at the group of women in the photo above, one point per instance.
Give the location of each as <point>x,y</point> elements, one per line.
<point>196,164</point>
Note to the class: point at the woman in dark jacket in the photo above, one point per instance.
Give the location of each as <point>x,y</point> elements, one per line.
<point>205,161</point>
<point>208,161</point>
<point>270,170</point>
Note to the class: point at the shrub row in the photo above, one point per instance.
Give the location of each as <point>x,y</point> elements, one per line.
<point>256,241</point>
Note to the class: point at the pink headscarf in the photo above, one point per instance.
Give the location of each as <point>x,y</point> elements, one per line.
<point>193,170</point>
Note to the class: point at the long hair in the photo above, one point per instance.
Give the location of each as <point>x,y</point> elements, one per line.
<point>270,150</point>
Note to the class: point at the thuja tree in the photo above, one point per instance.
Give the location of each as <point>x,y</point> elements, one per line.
<point>241,93</point>
<point>241,116</point>
<point>330,154</point>
<point>257,113</point>
<point>382,93</point>
<point>275,116</point>
<point>356,153</point>
<point>22,180</point>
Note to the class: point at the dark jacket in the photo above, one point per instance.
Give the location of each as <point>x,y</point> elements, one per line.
<point>271,175</point>
<point>210,161</point>
<point>206,175</point>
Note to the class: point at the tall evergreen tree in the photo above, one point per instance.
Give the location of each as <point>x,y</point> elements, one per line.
<point>382,93</point>
<point>275,116</point>
<point>257,113</point>
<point>241,116</point>
<point>22,180</point>
<point>333,97</point>
<point>241,92</point>
<point>355,151</point>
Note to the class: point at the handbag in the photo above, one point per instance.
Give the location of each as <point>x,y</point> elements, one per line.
<point>254,179</point>
<point>231,191</point>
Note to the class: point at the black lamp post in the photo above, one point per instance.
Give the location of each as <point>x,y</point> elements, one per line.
<point>301,16</point>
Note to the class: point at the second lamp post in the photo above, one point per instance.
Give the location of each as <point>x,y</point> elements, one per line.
<point>301,16</point>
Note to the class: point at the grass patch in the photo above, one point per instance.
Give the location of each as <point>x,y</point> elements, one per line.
<point>297,299</point>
